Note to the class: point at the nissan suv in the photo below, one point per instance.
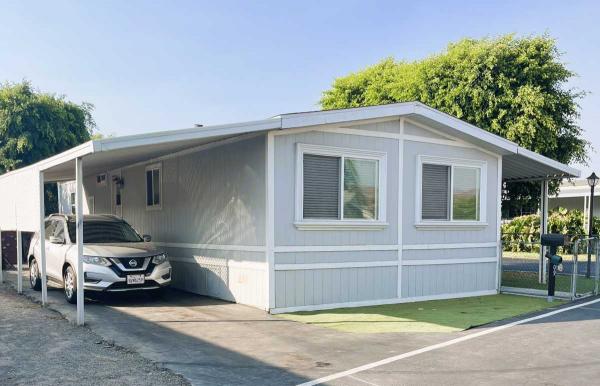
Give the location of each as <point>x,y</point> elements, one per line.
<point>115,256</point>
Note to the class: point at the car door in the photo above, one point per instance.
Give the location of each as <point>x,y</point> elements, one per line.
<point>56,251</point>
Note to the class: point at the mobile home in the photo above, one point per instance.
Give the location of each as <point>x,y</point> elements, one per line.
<point>305,211</point>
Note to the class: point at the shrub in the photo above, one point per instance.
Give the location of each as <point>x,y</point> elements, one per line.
<point>520,234</point>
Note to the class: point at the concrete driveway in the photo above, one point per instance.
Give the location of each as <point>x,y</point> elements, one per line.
<point>217,343</point>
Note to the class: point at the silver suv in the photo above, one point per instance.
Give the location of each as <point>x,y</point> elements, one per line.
<point>115,257</point>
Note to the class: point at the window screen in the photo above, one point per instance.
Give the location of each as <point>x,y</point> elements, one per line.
<point>435,192</point>
<point>465,195</point>
<point>321,186</point>
<point>153,187</point>
<point>361,182</point>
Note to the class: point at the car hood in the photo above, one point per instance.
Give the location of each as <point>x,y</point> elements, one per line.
<point>121,249</point>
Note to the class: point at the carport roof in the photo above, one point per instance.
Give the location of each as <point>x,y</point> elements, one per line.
<point>113,153</point>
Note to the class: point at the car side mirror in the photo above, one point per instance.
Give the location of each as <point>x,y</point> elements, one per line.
<point>56,240</point>
<point>147,238</point>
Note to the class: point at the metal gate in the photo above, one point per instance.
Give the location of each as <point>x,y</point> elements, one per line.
<point>523,272</point>
<point>586,273</point>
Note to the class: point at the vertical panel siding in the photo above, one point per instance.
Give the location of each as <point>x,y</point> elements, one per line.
<point>429,280</point>
<point>410,129</point>
<point>327,286</point>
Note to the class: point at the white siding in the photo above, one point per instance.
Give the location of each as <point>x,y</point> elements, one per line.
<point>19,201</point>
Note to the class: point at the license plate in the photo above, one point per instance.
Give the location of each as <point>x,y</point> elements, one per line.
<point>135,279</point>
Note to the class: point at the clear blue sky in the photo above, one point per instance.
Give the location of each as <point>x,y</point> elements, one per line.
<point>160,65</point>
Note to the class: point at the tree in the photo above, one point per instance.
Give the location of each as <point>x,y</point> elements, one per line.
<point>512,87</point>
<point>36,125</point>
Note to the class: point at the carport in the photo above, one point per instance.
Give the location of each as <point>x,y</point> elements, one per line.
<point>22,198</point>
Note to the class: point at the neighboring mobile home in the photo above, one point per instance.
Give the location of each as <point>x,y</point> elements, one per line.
<point>306,211</point>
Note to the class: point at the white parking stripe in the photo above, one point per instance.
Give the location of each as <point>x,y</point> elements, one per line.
<point>442,345</point>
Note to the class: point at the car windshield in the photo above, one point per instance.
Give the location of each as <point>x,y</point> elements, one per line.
<point>96,232</point>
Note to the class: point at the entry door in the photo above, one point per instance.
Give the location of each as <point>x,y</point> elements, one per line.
<point>116,192</point>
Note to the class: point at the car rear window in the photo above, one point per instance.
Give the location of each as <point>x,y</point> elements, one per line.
<point>97,232</point>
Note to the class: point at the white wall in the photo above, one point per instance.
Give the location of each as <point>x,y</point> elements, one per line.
<point>19,200</point>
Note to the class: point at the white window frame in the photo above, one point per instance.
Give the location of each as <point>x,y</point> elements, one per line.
<point>156,166</point>
<point>331,224</point>
<point>452,163</point>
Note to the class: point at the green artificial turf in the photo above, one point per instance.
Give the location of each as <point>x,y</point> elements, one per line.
<point>431,316</point>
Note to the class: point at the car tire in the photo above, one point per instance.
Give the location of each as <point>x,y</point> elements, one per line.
<point>70,285</point>
<point>35,279</point>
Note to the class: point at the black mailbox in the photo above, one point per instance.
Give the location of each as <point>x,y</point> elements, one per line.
<point>553,240</point>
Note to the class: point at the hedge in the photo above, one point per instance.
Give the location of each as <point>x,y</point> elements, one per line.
<point>519,234</point>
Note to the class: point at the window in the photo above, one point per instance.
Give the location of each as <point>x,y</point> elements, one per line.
<point>339,187</point>
<point>101,179</point>
<point>153,186</point>
<point>450,190</point>
<point>103,231</point>
<point>435,192</point>
<point>59,230</point>
<point>50,225</point>
<point>72,203</point>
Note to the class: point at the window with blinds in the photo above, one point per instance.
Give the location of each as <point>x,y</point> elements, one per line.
<point>340,187</point>
<point>321,186</point>
<point>450,192</point>
<point>435,192</point>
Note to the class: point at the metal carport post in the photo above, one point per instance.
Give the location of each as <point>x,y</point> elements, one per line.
<point>42,235</point>
<point>543,229</point>
<point>79,237</point>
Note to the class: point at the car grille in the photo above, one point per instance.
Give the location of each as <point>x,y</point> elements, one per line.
<point>125,261</point>
<point>139,262</point>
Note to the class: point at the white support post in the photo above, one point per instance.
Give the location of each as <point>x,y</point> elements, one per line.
<point>42,234</point>
<point>19,263</point>
<point>400,206</point>
<point>543,229</point>
<point>79,236</point>
<point>270,220</point>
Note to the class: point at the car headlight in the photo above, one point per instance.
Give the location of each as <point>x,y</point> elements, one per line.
<point>159,259</point>
<point>96,260</point>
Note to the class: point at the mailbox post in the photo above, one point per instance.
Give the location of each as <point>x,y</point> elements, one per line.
<point>553,241</point>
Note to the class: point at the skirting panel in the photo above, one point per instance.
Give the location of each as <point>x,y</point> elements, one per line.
<point>337,285</point>
<point>428,280</point>
<point>380,302</point>
<point>221,278</point>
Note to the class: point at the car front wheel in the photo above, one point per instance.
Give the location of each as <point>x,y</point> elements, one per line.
<point>70,285</point>
<point>35,280</point>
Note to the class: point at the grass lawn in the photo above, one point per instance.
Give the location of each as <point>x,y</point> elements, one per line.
<point>530,280</point>
<point>431,316</point>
